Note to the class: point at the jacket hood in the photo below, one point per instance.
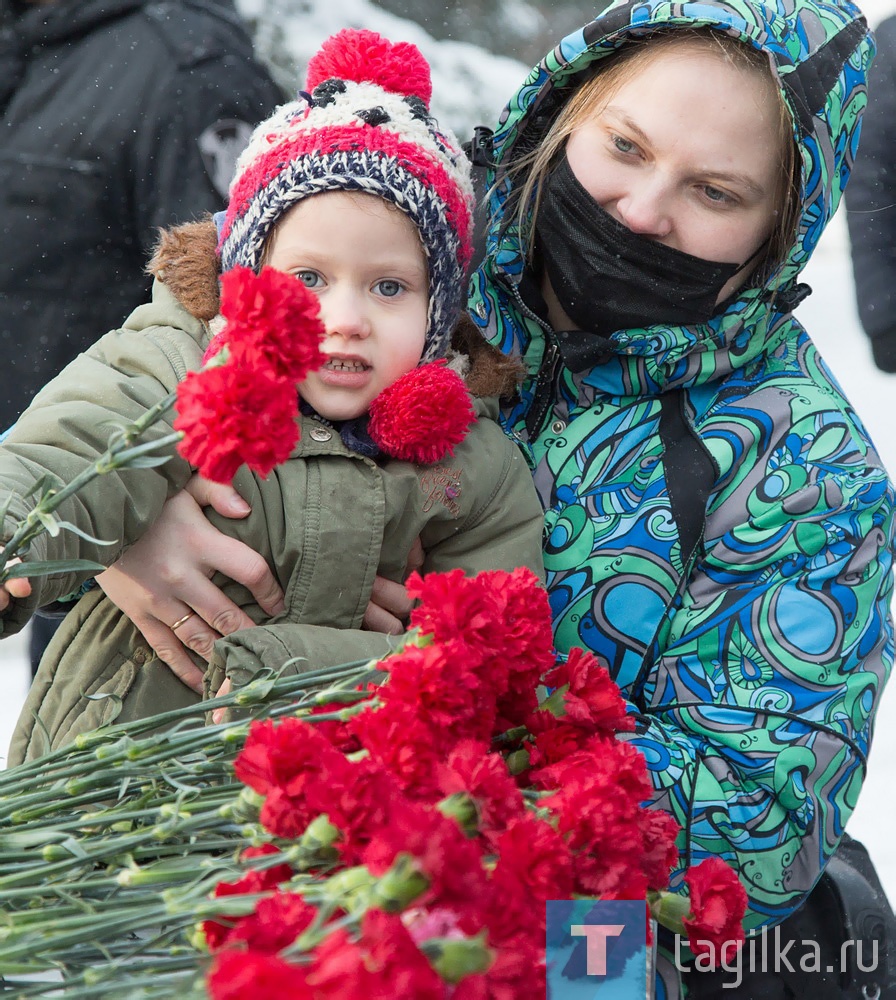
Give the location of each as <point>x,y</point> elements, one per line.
<point>37,24</point>
<point>28,28</point>
<point>819,53</point>
<point>47,24</point>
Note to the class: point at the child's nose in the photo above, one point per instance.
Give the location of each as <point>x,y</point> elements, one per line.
<point>344,315</point>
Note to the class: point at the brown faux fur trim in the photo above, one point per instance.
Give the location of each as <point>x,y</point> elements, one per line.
<point>186,260</point>
<point>492,372</point>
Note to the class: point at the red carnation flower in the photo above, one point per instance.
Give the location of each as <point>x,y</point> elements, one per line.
<point>218,931</point>
<point>554,740</point>
<point>361,806</point>
<point>382,965</point>
<point>232,416</point>
<point>422,416</point>
<point>450,861</point>
<point>598,813</point>
<point>592,700</point>
<point>275,924</point>
<point>437,683</point>
<point>273,323</point>
<point>503,618</point>
<point>292,764</point>
<point>660,832</point>
<point>534,856</point>
<point>401,743</point>
<point>484,777</point>
<point>718,904</point>
<point>242,975</point>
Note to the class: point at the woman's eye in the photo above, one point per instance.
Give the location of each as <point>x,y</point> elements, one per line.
<point>623,145</point>
<point>389,288</point>
<point>717,196</point>
<point>310,279</point>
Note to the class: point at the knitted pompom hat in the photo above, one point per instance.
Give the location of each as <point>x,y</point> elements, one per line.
<point>364,126</point>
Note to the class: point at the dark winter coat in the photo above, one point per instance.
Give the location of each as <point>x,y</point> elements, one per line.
<point>719,528</point>
<point>871,204</point>
<point>327,520</point>
<point>116,117</point>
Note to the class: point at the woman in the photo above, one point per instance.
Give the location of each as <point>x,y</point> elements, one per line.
<point>719,529</point>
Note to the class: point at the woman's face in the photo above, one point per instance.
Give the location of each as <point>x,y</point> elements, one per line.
<point>687,152</point>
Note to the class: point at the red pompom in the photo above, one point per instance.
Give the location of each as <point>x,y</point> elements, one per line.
<point>422,416</point>
<point>364,56</point>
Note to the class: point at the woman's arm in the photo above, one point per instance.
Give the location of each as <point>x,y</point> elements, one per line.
<point>757,716</point>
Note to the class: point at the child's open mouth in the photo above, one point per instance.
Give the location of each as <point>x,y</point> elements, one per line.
<point>346,365</point>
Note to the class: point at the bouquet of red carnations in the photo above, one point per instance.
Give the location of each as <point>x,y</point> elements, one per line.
<point>442,810</point>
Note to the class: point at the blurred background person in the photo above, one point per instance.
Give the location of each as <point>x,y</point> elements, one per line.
<point>871,204</point>
<point>117,117</point>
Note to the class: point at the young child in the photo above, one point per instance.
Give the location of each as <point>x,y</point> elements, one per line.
<point>356,191</point>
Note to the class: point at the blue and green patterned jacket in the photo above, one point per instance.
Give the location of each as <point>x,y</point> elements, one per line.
<point>719,528</point>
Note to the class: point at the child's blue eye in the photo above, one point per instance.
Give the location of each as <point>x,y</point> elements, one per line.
<point>389,289</point>
<point>310,279</point>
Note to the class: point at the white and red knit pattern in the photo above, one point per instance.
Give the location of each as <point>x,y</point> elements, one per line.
<point>365,127</point>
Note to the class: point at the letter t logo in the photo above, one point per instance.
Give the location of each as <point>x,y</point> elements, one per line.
<point>596,947</point>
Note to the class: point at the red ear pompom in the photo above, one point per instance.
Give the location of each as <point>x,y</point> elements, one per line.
<point>364,56</point>
<point>422,416</point>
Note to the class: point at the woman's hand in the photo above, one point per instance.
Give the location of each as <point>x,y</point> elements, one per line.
<point>162,583</point>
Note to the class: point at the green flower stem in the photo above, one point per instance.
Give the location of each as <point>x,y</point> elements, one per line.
<point>161,979</point>
<point>116,742</point>
<point>121,450</point>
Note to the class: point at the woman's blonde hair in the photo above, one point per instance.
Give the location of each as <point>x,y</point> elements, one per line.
<point>594,94</point>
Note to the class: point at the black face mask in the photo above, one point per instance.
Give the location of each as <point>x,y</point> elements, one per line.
<point>608,278</point>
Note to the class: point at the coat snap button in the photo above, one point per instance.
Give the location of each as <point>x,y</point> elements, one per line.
<point>320,434</point>
<point>558,427</point>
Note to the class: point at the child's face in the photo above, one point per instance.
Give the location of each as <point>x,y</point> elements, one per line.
<point>688,153</point>
<point>363,259</point>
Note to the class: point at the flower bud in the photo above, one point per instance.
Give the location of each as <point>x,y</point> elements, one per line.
<point>400,886</point>
<point>453,958</point>
<point>462,809</point>
<point>245,807</point>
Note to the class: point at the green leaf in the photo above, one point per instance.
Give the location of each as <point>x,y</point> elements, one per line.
<point>75,530</point>
<point>48,521</point>
<point>146,462</point>
<point>43,568</point>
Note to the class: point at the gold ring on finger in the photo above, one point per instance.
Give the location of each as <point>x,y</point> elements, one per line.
<point>180,621</point>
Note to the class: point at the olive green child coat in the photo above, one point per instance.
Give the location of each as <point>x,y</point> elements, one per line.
<point>327,521</point>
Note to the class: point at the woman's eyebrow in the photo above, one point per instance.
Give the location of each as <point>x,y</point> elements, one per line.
<point>726,176</point>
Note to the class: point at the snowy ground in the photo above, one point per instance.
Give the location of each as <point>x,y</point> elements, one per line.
<point>829,313</point>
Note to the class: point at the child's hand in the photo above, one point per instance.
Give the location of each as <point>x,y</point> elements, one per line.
<point>390,607</point>
<point>219,713</point>
<point>18,587</point>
